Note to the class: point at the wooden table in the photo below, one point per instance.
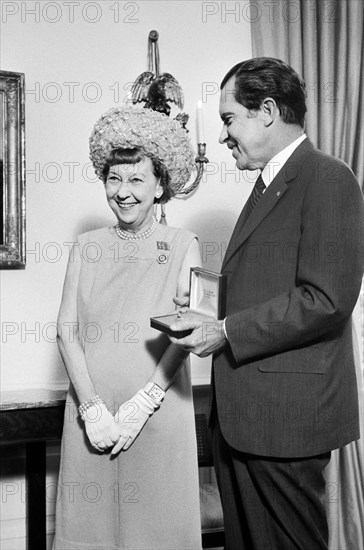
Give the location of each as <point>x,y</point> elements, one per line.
<point>32,418</point>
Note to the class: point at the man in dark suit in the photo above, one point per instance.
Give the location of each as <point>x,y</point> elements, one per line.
<point>284,381</point>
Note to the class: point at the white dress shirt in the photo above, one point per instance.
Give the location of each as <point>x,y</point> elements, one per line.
<point>275,164</point>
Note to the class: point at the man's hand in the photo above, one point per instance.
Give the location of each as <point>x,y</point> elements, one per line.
<point>207,334</point>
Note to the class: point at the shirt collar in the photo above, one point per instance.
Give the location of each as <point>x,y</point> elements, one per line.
<point>276,163</point>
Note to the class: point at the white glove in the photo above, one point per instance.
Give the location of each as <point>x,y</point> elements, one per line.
<point>131,418</point>
<point>99,426</point>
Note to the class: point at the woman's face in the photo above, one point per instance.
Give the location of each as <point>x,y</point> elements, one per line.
<point>130,191</point>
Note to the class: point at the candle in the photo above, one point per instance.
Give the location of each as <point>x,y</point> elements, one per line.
<point>200,127</point>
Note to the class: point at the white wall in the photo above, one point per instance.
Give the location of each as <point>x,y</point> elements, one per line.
<point>198,44</point>
<point>198,51</point>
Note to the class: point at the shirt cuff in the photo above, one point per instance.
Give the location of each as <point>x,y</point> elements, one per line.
<point>224,328</point>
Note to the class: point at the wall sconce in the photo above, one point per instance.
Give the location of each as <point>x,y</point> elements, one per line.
<point>157,91</point>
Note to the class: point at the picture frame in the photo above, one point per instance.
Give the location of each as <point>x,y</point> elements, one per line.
<point>12,170</point>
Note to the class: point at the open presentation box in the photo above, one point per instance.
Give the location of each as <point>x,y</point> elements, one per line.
<point>207,297</point>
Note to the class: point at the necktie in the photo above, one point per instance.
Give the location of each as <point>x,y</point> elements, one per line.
<point>245,213</point>
<point>255,195</point>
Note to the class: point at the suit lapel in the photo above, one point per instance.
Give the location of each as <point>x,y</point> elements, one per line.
<point>269,199</point>
<point>242,230</point>
<point>236,232</point>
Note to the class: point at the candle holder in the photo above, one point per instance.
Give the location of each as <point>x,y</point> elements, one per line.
<point>200,161</point>
<point>157,91</point>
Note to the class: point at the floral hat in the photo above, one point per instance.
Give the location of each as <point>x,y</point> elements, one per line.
<point>154,133</point>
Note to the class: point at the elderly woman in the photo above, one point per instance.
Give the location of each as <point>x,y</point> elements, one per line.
<point>128,475</point>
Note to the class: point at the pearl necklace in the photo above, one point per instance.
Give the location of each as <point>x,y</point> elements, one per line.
<point>131,236</point>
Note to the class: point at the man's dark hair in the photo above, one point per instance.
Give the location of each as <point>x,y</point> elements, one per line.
<point>263,77</point>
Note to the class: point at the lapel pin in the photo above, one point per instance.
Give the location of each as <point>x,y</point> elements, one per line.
<point>162,259</point>
<point>162,245</point>
<point>278,193</point>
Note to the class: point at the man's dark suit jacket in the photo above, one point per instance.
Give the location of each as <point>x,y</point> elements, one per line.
<point>286,385</point>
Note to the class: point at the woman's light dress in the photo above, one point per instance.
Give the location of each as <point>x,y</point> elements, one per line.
<point>146,498</point>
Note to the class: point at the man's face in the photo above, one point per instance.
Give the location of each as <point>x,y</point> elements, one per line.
<point>243,130</point>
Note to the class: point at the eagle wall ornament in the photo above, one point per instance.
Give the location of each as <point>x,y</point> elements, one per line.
<point>157,91</point>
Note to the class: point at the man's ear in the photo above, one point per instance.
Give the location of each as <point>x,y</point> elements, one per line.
<point>269,110</point>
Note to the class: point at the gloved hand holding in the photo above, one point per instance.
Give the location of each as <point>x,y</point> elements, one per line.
<point>99,426</point>
<point>131,418</point>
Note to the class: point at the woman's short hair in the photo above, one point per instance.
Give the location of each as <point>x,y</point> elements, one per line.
<point>133,156</point>
<point>261,77</point>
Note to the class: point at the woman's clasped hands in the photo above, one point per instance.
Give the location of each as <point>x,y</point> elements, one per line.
<point>100,427</point>
<point>120,431</point>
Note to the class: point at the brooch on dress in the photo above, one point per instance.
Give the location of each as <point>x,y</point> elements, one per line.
<point>162,258</point>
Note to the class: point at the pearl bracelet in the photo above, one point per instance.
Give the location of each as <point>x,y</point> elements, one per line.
<point>82,409</point>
